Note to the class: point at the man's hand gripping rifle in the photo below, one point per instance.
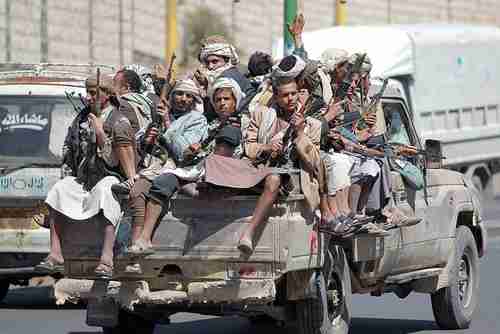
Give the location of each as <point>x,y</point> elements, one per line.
<point>157,121</point>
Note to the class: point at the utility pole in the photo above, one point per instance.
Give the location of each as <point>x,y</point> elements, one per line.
<point>120,33</point>
<point>340,12</point>
<point>44,33</point>
<point>290,11</point>
<point>91,31</point>
<point>8,33</point>
<point>233,18</point>
<point>171,28</point>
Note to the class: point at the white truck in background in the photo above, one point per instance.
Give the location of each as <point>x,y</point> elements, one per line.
<point>35,114</point>
<point>450,76</point>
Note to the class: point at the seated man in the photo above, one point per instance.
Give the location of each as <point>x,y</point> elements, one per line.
<point>107,159</point>
<point>183,128</point>
<point>229,173</point>
<point>265,140</point>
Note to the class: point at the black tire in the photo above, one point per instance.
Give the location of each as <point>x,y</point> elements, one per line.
<point>331,311</point>
<point>131,324</point>
<point>258,320</point>
<point>454,305</point>
<point>4,288</point>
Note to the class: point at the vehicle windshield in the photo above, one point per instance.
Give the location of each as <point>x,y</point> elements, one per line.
<point>33,128</point>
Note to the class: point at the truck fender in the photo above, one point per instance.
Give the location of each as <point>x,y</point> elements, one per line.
<point>465,218</point>
<point>469,216</point>
<point>303,284</point>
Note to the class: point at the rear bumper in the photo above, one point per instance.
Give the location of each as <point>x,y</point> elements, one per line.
<point>130,293</point>
<point>20,273</point>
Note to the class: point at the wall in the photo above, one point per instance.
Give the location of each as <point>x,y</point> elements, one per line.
<point>123,31</point>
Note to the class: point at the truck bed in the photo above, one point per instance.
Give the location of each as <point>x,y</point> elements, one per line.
<point>205,231</point>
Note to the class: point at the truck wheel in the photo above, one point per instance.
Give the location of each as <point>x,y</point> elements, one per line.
<point>454,305</point>
<point>331,311</point>
<point>130,323</point>
<point>4,288</point>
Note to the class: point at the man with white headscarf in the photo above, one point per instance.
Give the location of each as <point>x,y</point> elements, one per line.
<point>183,127</point>
<point>219,59</point>
<point>221,170</point>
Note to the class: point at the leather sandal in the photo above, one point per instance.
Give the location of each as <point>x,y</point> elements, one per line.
<point>245,245</point>
<point>140,247</point>
<point>104,271</point>
<point>50,266</point>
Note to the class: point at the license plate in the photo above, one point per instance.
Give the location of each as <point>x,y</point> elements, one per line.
<point>248,270</point>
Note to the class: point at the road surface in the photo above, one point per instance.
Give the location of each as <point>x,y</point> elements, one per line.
<point>28,310</point>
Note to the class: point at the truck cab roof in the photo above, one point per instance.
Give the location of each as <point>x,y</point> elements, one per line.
<point>46,79</point>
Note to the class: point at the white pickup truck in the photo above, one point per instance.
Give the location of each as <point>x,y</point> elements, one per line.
<point>295,276</point>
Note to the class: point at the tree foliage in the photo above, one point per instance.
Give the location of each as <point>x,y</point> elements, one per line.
<point>201,23</point>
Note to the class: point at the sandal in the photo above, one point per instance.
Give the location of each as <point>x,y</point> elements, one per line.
<point>140,247</point>
<point>133,269</point>
<point>50,266</point>
<point>245,245</point>
<point>104,271</point>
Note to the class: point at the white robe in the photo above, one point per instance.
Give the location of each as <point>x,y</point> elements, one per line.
<point>70,199</point>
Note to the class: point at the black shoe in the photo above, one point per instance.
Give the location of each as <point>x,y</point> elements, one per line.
<point>122,189</point>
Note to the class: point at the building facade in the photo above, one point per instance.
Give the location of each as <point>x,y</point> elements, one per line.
<point>126,31</point>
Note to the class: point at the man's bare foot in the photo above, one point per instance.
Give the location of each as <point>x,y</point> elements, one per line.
<point>141,247</point>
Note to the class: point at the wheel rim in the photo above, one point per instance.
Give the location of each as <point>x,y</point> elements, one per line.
<point>464,280</point>
<point>334,298</point>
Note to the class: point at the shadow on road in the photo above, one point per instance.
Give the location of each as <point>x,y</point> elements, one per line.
<point>243,326</point>
<point>33,298</point>
<point>390,326</point>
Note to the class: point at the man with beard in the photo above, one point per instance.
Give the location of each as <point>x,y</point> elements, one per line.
<point>219,59</point>
<point>184,127</point>
<point>222,169</point>
<point>265,139</point>
<point>111,157</point>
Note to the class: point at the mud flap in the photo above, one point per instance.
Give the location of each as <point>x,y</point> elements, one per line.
<point>102,312</point>
<point>321,294</point>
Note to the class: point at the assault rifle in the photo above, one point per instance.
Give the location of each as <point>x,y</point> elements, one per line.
<point>214,127</point>
<point>348,79</point>
<point>156,120</point>
<point>369,109</point>
<point>89,173</point>
<point>69,97</point>
<point>278,160</point>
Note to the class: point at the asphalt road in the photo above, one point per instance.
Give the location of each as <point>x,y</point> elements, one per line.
<point>28,310</point>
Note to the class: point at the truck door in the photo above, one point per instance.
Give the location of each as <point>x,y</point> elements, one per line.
<point>418,244</point>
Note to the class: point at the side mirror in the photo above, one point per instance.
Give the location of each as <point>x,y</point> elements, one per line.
<point>433,154</point>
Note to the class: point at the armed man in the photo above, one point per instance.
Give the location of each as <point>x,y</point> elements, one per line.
<point>219,58</point>
<point>266,140</point>
<point>109,156</point>
<point>216,162</point>
<point>183,128</point>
